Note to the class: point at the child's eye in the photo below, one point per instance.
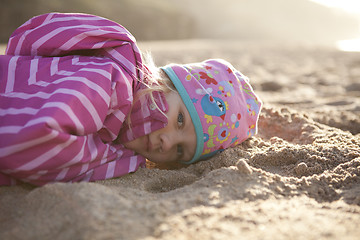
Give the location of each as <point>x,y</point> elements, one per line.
<point>180,119</point>
<point>180,150</point>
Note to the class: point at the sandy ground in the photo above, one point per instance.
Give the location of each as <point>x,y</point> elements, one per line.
<point>299,178</point>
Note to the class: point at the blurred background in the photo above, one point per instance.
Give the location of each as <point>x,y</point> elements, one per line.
<point>286,21</point>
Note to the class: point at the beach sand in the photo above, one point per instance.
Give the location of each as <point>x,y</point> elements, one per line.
<point>299,178</point>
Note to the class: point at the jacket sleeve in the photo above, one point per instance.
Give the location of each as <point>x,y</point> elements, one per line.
<point>56,131</point>
<point>57,123</point>
<point>59,34</point>
<point>107,161</point>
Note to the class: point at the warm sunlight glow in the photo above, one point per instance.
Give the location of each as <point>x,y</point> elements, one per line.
<point>351,45</point>
<point>352,6</point>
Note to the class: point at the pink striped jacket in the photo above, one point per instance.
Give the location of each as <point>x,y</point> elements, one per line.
<point>67,83</point>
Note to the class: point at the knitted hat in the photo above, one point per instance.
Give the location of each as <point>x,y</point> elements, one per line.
<point>223,106</point>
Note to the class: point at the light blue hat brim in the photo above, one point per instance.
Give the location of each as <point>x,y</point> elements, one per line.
<point>192,111</point>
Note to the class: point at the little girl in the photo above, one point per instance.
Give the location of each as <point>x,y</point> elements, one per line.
<point>77,103</point>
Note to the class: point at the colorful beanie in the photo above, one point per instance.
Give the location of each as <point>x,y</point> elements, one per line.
<point>222,104</point>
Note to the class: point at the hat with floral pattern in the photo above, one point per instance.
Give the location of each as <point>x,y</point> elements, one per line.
<point>221,102</point>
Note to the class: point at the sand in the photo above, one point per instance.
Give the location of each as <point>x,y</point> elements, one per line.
<point>299,178</point>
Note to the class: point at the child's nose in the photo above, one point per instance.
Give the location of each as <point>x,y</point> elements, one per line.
<point>169,140</point>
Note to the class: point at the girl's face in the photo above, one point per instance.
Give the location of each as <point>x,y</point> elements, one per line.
<point>174,143</point>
